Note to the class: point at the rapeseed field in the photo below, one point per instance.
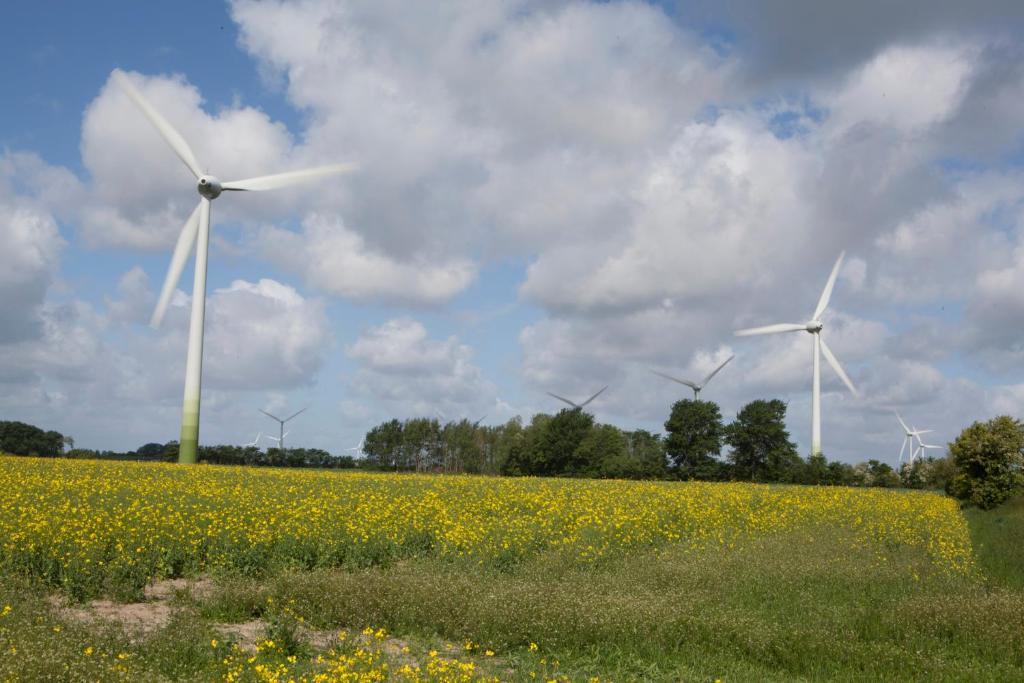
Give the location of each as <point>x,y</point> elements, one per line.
<point>93,527</point>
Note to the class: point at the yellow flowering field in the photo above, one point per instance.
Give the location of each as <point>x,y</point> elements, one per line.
<point>94,526</point>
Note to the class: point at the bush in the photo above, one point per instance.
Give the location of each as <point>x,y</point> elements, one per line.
<point>987,460</point>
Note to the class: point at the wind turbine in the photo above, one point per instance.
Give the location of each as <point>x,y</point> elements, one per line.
<point>576,406</point>
<point>280,441</point>
<point>924,445</point>
<point>256,441</point>
<point>813,326</point>
<point>908,438</point>
<point>358,448</point>
<point>196,231</point>
<point>696,386</point>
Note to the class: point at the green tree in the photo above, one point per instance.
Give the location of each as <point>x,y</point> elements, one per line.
<point>602,451</point>
<point>987,459</point>
<point>556,450</point>
<point>882,475</point>
<point>19,438</point>
<point>761,449</point>
<point>694,439</point>
<point>382,445</point>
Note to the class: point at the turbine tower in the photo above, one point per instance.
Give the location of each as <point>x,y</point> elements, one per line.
<point>813,326</point>
<point>196,231</point>
<point>696,386</point>
<point>576,406</point>
<point>908,439</point>
<point>280,440</point>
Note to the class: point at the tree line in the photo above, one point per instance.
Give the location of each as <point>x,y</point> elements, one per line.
<point>984,466</point>
<point>570,443</point>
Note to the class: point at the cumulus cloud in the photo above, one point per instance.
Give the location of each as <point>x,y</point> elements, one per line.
<point>407,371</point>
<point>337,260</point>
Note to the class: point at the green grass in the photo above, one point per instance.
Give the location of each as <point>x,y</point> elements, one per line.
<point>998,539</point>
<point>780,608</point>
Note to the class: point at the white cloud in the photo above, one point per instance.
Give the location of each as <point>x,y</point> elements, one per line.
<point>408,372</point>
<point>337,260</point>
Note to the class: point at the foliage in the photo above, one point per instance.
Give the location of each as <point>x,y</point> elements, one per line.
<point>694,440</point>
<point>987,458</point>
<point>761,449</point>
<point>19,438</point>
<point>557,447</point>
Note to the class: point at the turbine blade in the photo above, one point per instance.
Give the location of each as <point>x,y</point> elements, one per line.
<point>564,400</point>
<point>902,423</point>
<point>166,130</point>
<point>826,294</point>
<point>837,367</point>
<point>925,431</point>
<point>593,397</point>
<point>273,182</point>
<point>179,258</point>
<point>291,416</point>
<point>902,448</point>
<point>675,379</point>
<point>715,371</point>
<point>771,329</point>
<point>275,417</point>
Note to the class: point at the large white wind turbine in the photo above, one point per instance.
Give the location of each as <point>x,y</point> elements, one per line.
<point>813,326</point>
<point>576,406</point>
<point>908,439</point>
<point>696,386</point>
<point>197,231</point>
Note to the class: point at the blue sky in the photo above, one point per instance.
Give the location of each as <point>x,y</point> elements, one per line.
<point>552,197</point>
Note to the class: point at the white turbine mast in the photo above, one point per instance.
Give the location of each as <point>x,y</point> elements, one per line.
<point>196,231</point>
<point>909,434</point>
<point>696,386</point>
<point>813,326</point>
<point>576,406</point>
<point>280,440</point>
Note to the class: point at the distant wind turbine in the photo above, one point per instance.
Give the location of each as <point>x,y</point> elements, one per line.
<point>576,406</point>
<point>923,446</point>
<point>908,439</point>
<point>358,448</point>
<point>280,440</point>
<point>696,386</point>
<point>256,441</point>
<point>196,231</point>
<point>813,326</point>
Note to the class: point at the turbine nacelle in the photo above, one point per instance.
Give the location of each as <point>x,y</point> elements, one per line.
<point>814,326</point>
<point>209,187</point>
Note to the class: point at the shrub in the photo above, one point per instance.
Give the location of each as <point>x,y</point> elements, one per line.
<point>987,458</point>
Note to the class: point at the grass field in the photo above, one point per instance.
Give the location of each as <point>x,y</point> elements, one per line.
<point>463,578</point>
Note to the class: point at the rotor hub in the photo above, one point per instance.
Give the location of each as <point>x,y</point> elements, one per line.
<point>814,326</point>
<point>209,187</point>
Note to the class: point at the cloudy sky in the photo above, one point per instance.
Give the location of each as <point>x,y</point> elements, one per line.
<point>553,196</point>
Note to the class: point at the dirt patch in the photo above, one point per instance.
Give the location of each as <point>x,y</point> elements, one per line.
<point>245,634</point>
<point>165,590</point>
<point>138,618</point>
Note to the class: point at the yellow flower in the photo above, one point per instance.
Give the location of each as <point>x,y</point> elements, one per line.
<point>5,611</point>
<point>213,643</point>
<point>87,651</point>
<point>489,653</point>
<point>533,647</point>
